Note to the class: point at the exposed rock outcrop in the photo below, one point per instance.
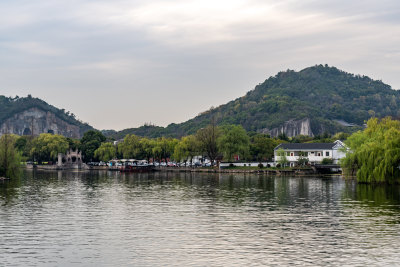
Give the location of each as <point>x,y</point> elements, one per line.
<point>291,128</point>
<point>36,121</point>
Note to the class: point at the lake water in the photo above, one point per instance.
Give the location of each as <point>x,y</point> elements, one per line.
<point>190,219</point>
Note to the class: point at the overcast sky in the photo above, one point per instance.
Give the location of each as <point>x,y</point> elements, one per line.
<point>121,63</point>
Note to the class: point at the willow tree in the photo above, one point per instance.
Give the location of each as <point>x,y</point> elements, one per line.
<point>164,148</point>
<point>234,141</point>
<point>207,138</point>
<point>10,158</point>
<point>187,148</point>
<point>106,151</point>
<point>47,146</point>
<point>147,147</point>
<point>374,154</point>
<point>130,148</point>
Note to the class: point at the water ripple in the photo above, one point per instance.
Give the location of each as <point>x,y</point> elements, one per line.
<point>164,219</point>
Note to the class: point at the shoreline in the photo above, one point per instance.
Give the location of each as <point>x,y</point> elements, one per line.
<point>295,172</point>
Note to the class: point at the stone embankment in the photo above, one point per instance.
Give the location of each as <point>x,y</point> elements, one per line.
<point>56,167</point>
<point>297,172</point>
<point>258,171</point>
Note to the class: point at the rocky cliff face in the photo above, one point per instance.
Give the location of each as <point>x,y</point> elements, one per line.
<point>291,128</point>
<point>36,121</point>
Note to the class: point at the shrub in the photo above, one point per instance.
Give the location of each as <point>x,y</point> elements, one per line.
<point>326,161</point>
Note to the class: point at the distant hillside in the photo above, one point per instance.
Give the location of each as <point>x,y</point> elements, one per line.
<point>22,115</point>
<point>312,101</point>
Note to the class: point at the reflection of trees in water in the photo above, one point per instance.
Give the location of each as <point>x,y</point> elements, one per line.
<point>375,207</point>
<point>383,196</point>
<point>230,188</point>
<point>9,189</point>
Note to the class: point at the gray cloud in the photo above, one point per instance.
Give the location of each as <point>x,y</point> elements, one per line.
<point>118,64</point>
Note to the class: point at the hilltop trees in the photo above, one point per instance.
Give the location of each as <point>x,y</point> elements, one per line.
<point>10,106</point>
<point>329,97</point>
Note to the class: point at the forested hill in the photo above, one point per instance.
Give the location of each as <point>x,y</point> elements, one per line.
<point>12,106</point>
<point>328,98</point>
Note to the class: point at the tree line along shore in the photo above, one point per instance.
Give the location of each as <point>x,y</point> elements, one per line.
<point>373,154</point>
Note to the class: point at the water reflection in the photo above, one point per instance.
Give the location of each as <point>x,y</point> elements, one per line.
<point>373,195</point>
<point>191,219</point>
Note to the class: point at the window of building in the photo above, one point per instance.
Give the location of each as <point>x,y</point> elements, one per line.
<point>327,153</point>
<point>319,154</point>
<point>291,154</point>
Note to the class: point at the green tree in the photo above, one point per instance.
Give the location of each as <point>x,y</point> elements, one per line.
<point>147,146</point>
<point>302,158</point>
<point>46,147</point>
<point>327,161</point>
<point>262,147</point>
<point>106,152</point>
<point>91,141</point>
<point>24,146</point>
<point>187,148</point>
<point>10,158</point>
<point>340,136</point>
<point>207,138</point>
<point>130,147</point>
<point>301,139</point>
<point>164,148</point>
<point>180,152</point>
<point>73,144</point>
<point>282,136</point>
<point>282,160</point>
<point>374,154</point>
<point>234,141</point>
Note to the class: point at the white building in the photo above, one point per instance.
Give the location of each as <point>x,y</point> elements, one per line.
<point>314,152</point>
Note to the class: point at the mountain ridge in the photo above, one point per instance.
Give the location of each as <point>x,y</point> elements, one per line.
<point>316,100</point>
<point>331,99</point>
<point>29,115</point>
